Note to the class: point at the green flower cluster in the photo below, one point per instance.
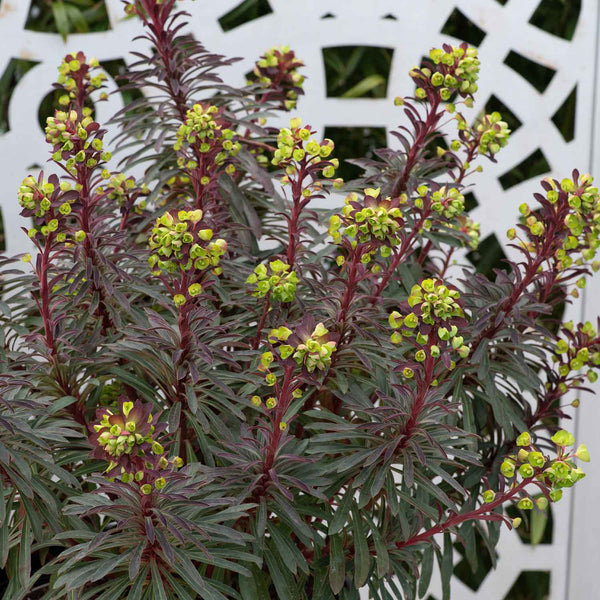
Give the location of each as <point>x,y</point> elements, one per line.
<point>180,243</point>
<point>580,349</point>
<point>48,203</point>
<point>373,220</point>
<point>314,352</point>
<point>122,437</point>
<point>493,133</point>
<point>435,301</point>
<point>435,305</point>
<point>453,70</point>
<point>277,70</point>
<point>582,201</point>
<point>204,129</point>
<point>530,463</point>
<point>75,76</point>
<point>121,188</point>
<point>280,283</point>
<point>127,438</point>
<point>75,139</point>
<point>469,228</point>
<point>430,325</point>
<point>445,201</point>
<point>311,350</point>
<point>583,221</point>
<point>128,441</point>
<point>296,147</point>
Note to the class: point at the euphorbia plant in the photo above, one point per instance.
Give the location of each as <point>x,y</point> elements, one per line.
<point>187,414</point>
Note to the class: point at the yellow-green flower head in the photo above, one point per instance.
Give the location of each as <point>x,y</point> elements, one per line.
<point>574,205</point>
<point>126,438</point>
<point>76,76</point>
<point>206,130</point>
<point>493,132</point>
<point>311,346</point>
<point>180,242</point>
<point>448,202</point>
<point>469,228</point>
<point>431,303</point>
<point>370,219</point>
<point>277,72</point>
<point>576,350</point>
<point>435,301</point>
<point>47,202</point>
<point>119,187</point>
<point>295,146</point>
<point>450,70</point>
<point>277,280</point>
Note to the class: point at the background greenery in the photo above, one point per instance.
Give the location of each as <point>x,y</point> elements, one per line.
<point>354,72</point>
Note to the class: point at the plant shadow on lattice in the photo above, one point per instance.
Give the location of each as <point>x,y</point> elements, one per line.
<point>244,13</point>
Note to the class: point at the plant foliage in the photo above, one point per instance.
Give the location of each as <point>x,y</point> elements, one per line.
<point>188,412</point>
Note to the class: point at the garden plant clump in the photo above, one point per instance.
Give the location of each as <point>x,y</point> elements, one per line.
<point>188,414</point>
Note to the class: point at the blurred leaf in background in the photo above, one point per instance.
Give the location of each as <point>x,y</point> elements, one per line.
<point>67,16</point>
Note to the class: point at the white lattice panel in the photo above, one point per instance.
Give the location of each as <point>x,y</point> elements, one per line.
<point>417,27</point>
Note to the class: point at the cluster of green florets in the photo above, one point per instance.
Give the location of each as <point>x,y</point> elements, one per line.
<point>312,351</point>
<point>469,228</point>
<point>436,301</point>
<point>180,243</point>
<point>580,349</point>
<point>35,197</point>
<point>493,133</point>
<point>454,70</point>
<point>446,201</point>
<point>204,129</point>
<point>582,222</point>
<point>48,204</point>
<point>128,440</point>
<point>370,220</point>
<point>280,283</point>
<point>434,305</point>
<point>430,325</point>
<point>123,438</point>
<point>76,140</point>
<point>75,76</point>
<point>122,189</point>
<point>277,70</point>
<point>530,463</point>
<point>296,147</point>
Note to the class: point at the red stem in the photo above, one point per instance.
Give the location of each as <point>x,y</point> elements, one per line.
<point>261,323</point>
<point>457,519</point>
<point>283,401</point>
<point>426,129</point>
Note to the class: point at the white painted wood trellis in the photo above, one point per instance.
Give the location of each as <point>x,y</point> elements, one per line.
<point>574,553</point>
